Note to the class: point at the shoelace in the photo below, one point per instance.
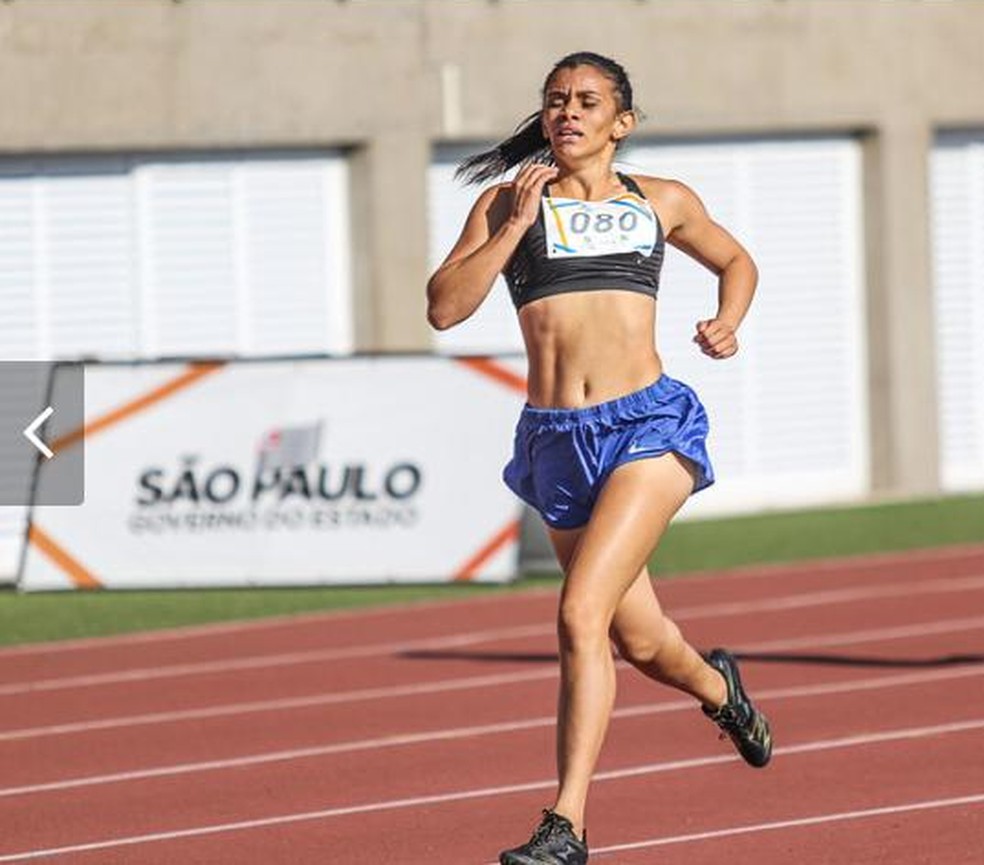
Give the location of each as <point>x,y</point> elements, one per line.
<point>553,824</point>
<point>729,719</point>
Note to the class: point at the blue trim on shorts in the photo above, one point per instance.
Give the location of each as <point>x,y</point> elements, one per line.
<point>562,457</point>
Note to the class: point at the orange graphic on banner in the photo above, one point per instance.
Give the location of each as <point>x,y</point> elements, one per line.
<point>507,535</point>
<point>81,577</point>
<point>194,372</point>
<point>510,533</point>
<point>494,370</point>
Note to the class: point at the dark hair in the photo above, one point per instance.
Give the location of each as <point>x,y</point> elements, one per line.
<point>527,143</point>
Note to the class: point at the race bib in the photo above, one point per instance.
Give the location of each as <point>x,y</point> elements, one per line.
<point>578,228</point>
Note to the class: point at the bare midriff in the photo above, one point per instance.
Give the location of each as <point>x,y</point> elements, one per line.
<point>588,347</point>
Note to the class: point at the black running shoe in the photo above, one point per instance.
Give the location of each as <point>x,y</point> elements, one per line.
<point>745,725</point>
<point>553,843</point>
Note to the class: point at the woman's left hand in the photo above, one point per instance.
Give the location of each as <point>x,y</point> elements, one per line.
<point>716,338</point>
<point>689,228</point>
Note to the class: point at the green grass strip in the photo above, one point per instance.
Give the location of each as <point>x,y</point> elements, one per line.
<point>794,536</point>
<point>66,615</point>
<point>693,545</point>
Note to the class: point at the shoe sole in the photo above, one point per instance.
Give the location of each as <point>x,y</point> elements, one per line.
<point>520,859</point>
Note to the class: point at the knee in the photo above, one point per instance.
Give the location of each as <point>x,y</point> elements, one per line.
<point>581,626</point>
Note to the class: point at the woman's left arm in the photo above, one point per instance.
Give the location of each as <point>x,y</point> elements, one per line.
<point>689,228</point>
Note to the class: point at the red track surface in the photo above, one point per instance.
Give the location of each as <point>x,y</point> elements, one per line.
<point>425,734</point>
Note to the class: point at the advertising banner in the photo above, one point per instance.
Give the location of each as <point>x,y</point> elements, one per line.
<point>320,471</point>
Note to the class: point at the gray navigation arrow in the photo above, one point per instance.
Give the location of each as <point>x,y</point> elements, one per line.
<point>53,394</point>
<point>30,432</point>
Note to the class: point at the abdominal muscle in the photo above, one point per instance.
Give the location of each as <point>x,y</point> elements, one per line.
<point>589,347</point>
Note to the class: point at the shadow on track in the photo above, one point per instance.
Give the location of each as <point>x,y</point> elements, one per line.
<point>858,660</point>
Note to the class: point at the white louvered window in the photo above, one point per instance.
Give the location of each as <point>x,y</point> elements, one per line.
<point>957,211</point>
<point>21,330</point>
<point>85,257</point>
<point>132,257</point>
<point>789,416</point>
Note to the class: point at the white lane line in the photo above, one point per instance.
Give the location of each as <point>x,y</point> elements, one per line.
<point>945,626</point>
<point>255,662</point>
<point>872,635</point>
<point>799,822</point>
<point>832,596</point>
<point>486,792</point>
<point>780,570</point>
<point>431,736</point>
<point>228,709</point>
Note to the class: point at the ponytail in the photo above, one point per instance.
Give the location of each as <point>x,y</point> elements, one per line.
<point>528,143</point>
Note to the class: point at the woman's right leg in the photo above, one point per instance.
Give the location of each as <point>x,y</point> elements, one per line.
<point>634,506</point>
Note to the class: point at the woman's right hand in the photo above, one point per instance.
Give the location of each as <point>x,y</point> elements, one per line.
<point>527,189</point>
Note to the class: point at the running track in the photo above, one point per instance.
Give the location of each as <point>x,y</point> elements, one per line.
<point>423,735</point>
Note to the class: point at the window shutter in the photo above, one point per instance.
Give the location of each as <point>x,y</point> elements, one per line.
<point>86,251</point>
<point>187,251</point>
<point>957,213</point>
<point>129,257</point>
<point>21,327</point>
<point>294,254</point>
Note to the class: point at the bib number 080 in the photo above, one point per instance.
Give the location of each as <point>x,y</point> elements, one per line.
<point>602,222</point>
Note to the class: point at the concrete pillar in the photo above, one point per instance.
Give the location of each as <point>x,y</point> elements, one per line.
<point>390,242</point>
<point>902,358</point>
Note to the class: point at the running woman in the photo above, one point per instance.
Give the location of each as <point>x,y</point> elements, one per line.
<point>608,447</point>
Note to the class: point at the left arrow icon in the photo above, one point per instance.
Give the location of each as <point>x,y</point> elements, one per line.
<point>30,432</point>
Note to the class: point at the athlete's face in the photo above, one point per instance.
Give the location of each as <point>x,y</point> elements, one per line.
<point>582,116</point>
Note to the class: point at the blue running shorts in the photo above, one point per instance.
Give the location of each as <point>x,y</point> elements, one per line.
<point>562,457</point>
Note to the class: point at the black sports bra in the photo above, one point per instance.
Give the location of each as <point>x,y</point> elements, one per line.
<point>579,245</point>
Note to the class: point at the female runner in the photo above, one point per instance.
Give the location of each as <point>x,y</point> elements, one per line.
<point>608,446</point>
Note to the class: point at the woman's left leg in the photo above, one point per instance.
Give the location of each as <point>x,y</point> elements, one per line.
<point>631,514</point>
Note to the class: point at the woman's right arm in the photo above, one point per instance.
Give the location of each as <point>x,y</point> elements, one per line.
<point>492,232</point>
